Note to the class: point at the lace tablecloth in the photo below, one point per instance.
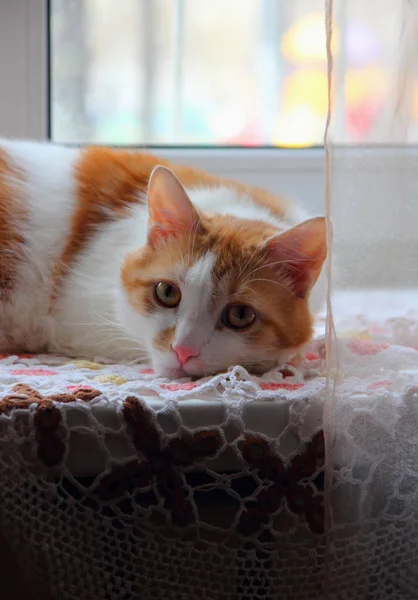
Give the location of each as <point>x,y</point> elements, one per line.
<point>375,356</point>
<point>104,467</point>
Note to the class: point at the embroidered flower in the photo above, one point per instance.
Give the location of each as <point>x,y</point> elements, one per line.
<point>176,387</point>
<point>79,386</point>
<point>115,379</point>
<point>286,372</point>
<point>312,356</point>
<point>386,384</point>
<point>86,364</point>
<point>34,372</point>
<point>366,347</point>
<point>281,386</point>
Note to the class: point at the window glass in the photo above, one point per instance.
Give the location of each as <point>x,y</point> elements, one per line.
<point>212,72</point>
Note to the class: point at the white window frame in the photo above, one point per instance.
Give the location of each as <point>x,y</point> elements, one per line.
<point>23,74</point>
<point>24,100</point>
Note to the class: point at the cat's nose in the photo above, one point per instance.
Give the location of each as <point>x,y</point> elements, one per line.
<point>185,352</point>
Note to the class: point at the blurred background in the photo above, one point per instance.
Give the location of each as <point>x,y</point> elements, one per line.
<point>217,72</point>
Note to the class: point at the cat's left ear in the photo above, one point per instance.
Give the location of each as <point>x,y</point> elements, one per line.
<point>171,212</point>
<point>299,253</point>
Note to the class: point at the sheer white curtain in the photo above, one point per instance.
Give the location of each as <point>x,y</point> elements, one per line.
<point>371,408</point>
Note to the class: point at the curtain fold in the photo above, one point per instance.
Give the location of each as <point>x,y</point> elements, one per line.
<point>371,406</point>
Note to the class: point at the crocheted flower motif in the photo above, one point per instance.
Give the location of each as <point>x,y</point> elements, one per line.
<point>47,420</point>
<point>160,461</point>
<point>257,453</point>
<point>282,483</point>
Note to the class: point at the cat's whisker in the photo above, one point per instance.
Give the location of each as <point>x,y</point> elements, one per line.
<point>131,350</point>
<point>180,250</point>
<point>113,325</point>
<point>242,270</point>
<point>81,275</point>
<point>257,267</point>
<point>271,264</point>
<point>278,262</point>
<point>91,335</point>
<point>105,319</point>
<point>193,230</point>
<point>272,281</point>
<point>137,361</point>
<point>93,328</point>
<point>123,338</point>
<point>249,289</point>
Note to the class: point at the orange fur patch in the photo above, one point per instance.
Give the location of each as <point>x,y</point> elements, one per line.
<point>285,321</point>
<point>164,338</point>
<point>109,181</point>
<point>11,214</point>
<point>142,269</point>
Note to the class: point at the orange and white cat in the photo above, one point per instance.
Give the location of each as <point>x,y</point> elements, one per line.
<point>121,255</point>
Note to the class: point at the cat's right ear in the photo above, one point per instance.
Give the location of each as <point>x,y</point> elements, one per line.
<point>299,254</point>
<point>171,212</point>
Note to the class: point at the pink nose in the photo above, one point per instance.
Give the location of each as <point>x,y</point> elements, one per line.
<point>184,353</point>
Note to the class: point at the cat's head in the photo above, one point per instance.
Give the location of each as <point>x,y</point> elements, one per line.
<point>209,291</point>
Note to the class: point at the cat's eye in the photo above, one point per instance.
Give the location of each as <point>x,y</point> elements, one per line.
<point>238,316</point>
<point>167,294</point>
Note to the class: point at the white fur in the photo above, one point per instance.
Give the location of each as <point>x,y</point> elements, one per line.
<point>227,201</point>
<point>193,321</point>
<point>92,315</point>
<point>47,191</point>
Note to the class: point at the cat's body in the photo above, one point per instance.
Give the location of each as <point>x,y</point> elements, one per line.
<point>80,260</point>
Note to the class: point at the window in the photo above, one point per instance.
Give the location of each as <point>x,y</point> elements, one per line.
<point>187,72</point>
<point>242,81</point>
<point>213,72</point>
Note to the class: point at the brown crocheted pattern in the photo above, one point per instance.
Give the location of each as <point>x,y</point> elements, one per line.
<point>162,462</point>
<point>47,419</point>
<point>295,483</point>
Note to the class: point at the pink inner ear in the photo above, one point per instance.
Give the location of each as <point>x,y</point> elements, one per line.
<point>171,211</point>
<point>300,253</point>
